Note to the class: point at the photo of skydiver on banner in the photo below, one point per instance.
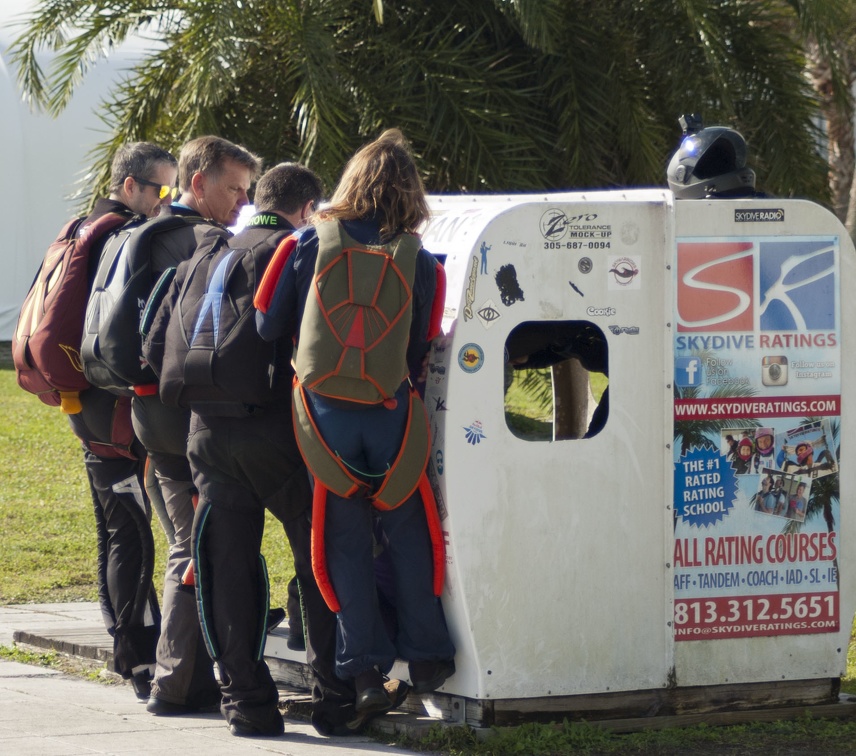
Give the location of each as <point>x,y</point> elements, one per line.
<point>806,449</point>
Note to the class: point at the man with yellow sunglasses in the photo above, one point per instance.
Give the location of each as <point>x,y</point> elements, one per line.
<point>114,459</point>
<point>146,202</point>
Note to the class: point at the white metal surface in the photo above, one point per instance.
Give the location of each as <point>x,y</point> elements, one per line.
<point>557,552</point>
<point>570,563</point>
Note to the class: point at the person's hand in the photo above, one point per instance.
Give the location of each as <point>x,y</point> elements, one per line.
<point>423,373</point>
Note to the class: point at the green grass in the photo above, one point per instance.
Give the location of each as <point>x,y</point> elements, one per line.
<point>46,517</point>
<point>803,735</point>
<point>88,669</point>
<point>34,658</point>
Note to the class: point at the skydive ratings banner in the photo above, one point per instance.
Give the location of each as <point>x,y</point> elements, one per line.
<point>757,422</point>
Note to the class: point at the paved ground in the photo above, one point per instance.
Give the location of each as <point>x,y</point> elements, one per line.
<point>47,713</point>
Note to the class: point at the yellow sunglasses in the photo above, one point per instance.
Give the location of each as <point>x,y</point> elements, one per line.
<point>163,189</point>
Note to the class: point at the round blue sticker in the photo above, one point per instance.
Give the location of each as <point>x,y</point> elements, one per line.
<point>705,486</point>
<point>471,358</point>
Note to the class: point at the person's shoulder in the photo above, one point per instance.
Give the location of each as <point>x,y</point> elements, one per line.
<point>425,261</point>
<point>250,236</point>
<point>305,234</point>
<point>176,209</point>
<point>105,205</point>
<point>306,240</point>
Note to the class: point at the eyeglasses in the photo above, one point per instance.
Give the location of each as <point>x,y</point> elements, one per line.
<point>163,189</point>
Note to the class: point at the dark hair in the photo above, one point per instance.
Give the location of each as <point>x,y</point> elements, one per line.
<point>207,155</point>
<point>137,159</point>
<point>381,181</point>
<point>286,188</point>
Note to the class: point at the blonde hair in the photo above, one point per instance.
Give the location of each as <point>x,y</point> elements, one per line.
<point>381,181</point>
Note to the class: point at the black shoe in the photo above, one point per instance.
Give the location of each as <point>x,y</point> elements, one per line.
<point>343,720</point>
<point>244,728</point>
<point>396,691</point>
<point>427,676</point>
<point>161,708</point>
<point>142,684</point>
<point>275,618</point>
<point>371,695</point>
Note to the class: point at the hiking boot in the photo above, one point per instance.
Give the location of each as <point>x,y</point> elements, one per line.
<point>331,720</point>
<point>371,695</point>
<point>396,692</point>
<point>427,676</point>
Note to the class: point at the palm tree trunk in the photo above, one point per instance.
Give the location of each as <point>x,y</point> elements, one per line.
<point>841,141</point>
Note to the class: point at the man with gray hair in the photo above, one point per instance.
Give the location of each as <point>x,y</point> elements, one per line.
<point>243,463</point>
<point>215,176</point>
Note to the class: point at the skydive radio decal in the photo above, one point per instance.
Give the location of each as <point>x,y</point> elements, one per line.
<point>757,286</point>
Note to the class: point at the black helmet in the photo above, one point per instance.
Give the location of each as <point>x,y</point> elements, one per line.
<point>710,162</point>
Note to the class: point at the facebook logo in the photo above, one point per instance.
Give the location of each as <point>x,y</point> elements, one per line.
<point>687,371</point>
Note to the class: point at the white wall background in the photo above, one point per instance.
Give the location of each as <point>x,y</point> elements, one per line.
<point>41,158</point>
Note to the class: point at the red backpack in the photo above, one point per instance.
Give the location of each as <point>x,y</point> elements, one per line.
<point>46,342</point>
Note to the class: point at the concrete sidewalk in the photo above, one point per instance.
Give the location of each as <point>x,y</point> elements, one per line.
<point>47,713</point>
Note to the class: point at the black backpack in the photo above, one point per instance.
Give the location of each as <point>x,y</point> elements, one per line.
<point>112,345</point>
<point>214,361</point>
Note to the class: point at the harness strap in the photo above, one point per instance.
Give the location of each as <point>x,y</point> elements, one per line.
<point>409,466</point>
<point>435,530</point>
<point>319,552</point>
<point>322,461</point>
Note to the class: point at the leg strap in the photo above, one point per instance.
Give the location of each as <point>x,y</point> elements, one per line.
<point>319,551</point>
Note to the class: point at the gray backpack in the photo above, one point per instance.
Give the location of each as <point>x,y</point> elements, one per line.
<point>112,345</point>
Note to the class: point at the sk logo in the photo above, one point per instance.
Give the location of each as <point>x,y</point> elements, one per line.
<point>795,286</point>
<point>715,286</point>
<point>687,371</point>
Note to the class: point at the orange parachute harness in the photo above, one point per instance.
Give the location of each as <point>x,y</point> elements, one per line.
<point>406,475</point>
<point>319,553</point>
<point>352,347</point>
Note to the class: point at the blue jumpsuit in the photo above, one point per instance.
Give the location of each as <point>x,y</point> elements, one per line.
<point>368,439</point>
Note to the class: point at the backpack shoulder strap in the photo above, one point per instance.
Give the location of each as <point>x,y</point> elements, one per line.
<point>331,232</point>
<point>103,225</point>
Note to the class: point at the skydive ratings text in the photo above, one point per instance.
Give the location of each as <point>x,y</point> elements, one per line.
<point>755,549</point>
<point>751,341</point>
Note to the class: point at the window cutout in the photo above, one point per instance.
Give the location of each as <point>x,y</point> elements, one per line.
<point>556,384</point>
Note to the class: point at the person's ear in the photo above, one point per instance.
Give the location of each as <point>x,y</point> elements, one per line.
<point>128,185</point>
<point>308,209</point>
<point>197,185</point>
